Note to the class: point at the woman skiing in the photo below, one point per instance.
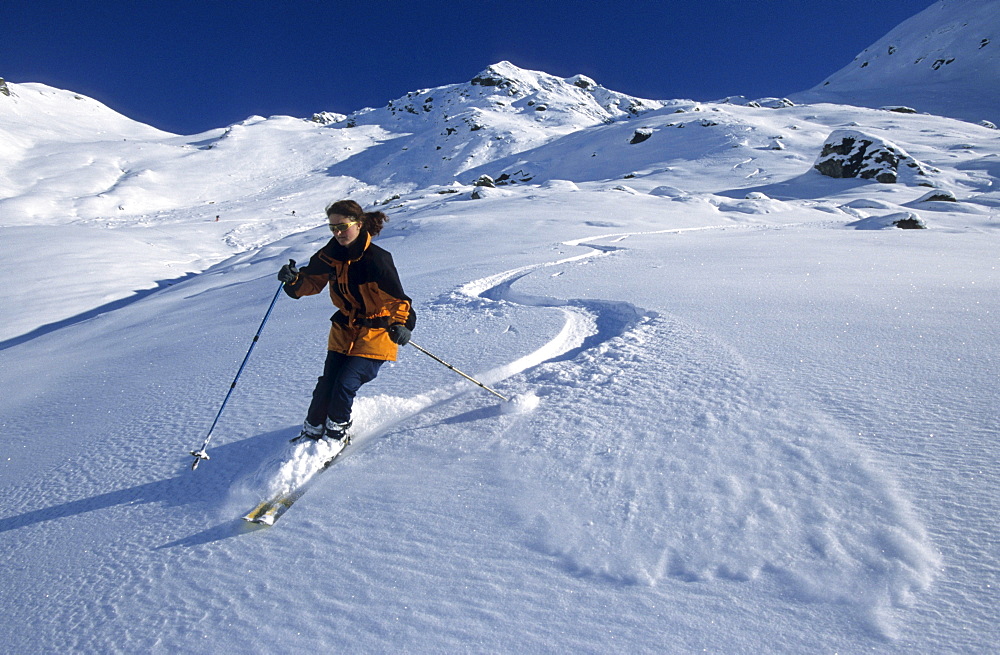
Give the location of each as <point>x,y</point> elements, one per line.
<point>373,315</point>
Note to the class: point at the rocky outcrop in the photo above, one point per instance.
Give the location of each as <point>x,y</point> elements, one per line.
<point>327,118</point>
<point>938,195</point>
<point>641,134</point>
<point>771,103</point>
<point>766,103</point>
<point>853,154</point>
<point>901,220</point>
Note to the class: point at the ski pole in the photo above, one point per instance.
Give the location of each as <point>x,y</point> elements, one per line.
<point>200,454</point>
<point>467,377</point>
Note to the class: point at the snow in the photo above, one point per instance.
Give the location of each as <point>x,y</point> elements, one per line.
<point>735,423</point>
<point>944,60</point>
<point>522,403</point>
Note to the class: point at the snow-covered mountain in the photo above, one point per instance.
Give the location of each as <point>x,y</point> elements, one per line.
<point>945,60</point>
<point>105,162</point>
<point>766,416</point>
<point>502,111</point>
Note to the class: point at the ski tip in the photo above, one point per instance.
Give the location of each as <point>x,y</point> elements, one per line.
<point>258,520</point>
<point>264,514</point>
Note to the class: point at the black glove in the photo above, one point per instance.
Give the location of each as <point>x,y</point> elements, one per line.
<point>288,273</point>
<point>399,334</point>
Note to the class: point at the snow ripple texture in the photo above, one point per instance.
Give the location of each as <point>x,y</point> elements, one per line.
<point>657,457</point>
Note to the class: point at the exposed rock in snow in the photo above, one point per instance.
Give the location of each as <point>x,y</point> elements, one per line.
<point>771,103</point>
<point>909,221</point>
<point>850,153</point>
<point>901,220</point>
<point>582,81</point>
<point>938,195</point>
<point>640,135</point>
<point>481,192</point>
<point>767,103</point>
<point>327,118</point>
<point>625,189</point>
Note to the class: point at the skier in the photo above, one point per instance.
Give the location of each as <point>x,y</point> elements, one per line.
<point>373,315</point>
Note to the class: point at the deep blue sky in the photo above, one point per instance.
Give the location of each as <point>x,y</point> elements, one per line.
<point>188,66</point>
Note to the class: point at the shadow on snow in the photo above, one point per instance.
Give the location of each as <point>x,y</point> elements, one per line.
<point>93,313</point>
<point>229,463</point>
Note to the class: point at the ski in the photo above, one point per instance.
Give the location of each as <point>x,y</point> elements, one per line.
<point>268,511</point>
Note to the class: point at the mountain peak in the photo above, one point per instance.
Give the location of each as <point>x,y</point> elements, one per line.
<point>503,74</point>
<point>504,88</point>
<point>502,110</point>
<point>513,80</point>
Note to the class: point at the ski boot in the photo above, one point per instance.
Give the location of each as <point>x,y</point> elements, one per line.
<point>309,431</point>
<point>335,431</point>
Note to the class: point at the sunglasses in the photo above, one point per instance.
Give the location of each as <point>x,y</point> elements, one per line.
<point>342,227</point>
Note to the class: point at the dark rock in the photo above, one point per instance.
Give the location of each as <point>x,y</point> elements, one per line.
<point>640,135</point>
<point>938,195</point>
<point>853,154</point>
<point>901,220</point>
<point>910,223</point>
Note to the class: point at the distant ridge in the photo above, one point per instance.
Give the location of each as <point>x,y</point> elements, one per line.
<point>945,61</point>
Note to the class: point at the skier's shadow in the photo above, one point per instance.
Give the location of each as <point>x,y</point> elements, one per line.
<point>229,463</point>
<point>233,528</point>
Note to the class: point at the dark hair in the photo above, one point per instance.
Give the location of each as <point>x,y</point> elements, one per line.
<point>371,222</point>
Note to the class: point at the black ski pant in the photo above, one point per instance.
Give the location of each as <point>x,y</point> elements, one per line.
<point>334,394</point>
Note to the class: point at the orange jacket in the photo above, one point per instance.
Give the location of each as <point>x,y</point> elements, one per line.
<point>365,288</point>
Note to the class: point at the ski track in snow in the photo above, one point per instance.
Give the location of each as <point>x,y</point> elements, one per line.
<point>655,458</point>
<point>295,465</point>
<point>745,483</point>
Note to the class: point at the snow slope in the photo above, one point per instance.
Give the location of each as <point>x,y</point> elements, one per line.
<point>759,428</point>
<point>945,60</point>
